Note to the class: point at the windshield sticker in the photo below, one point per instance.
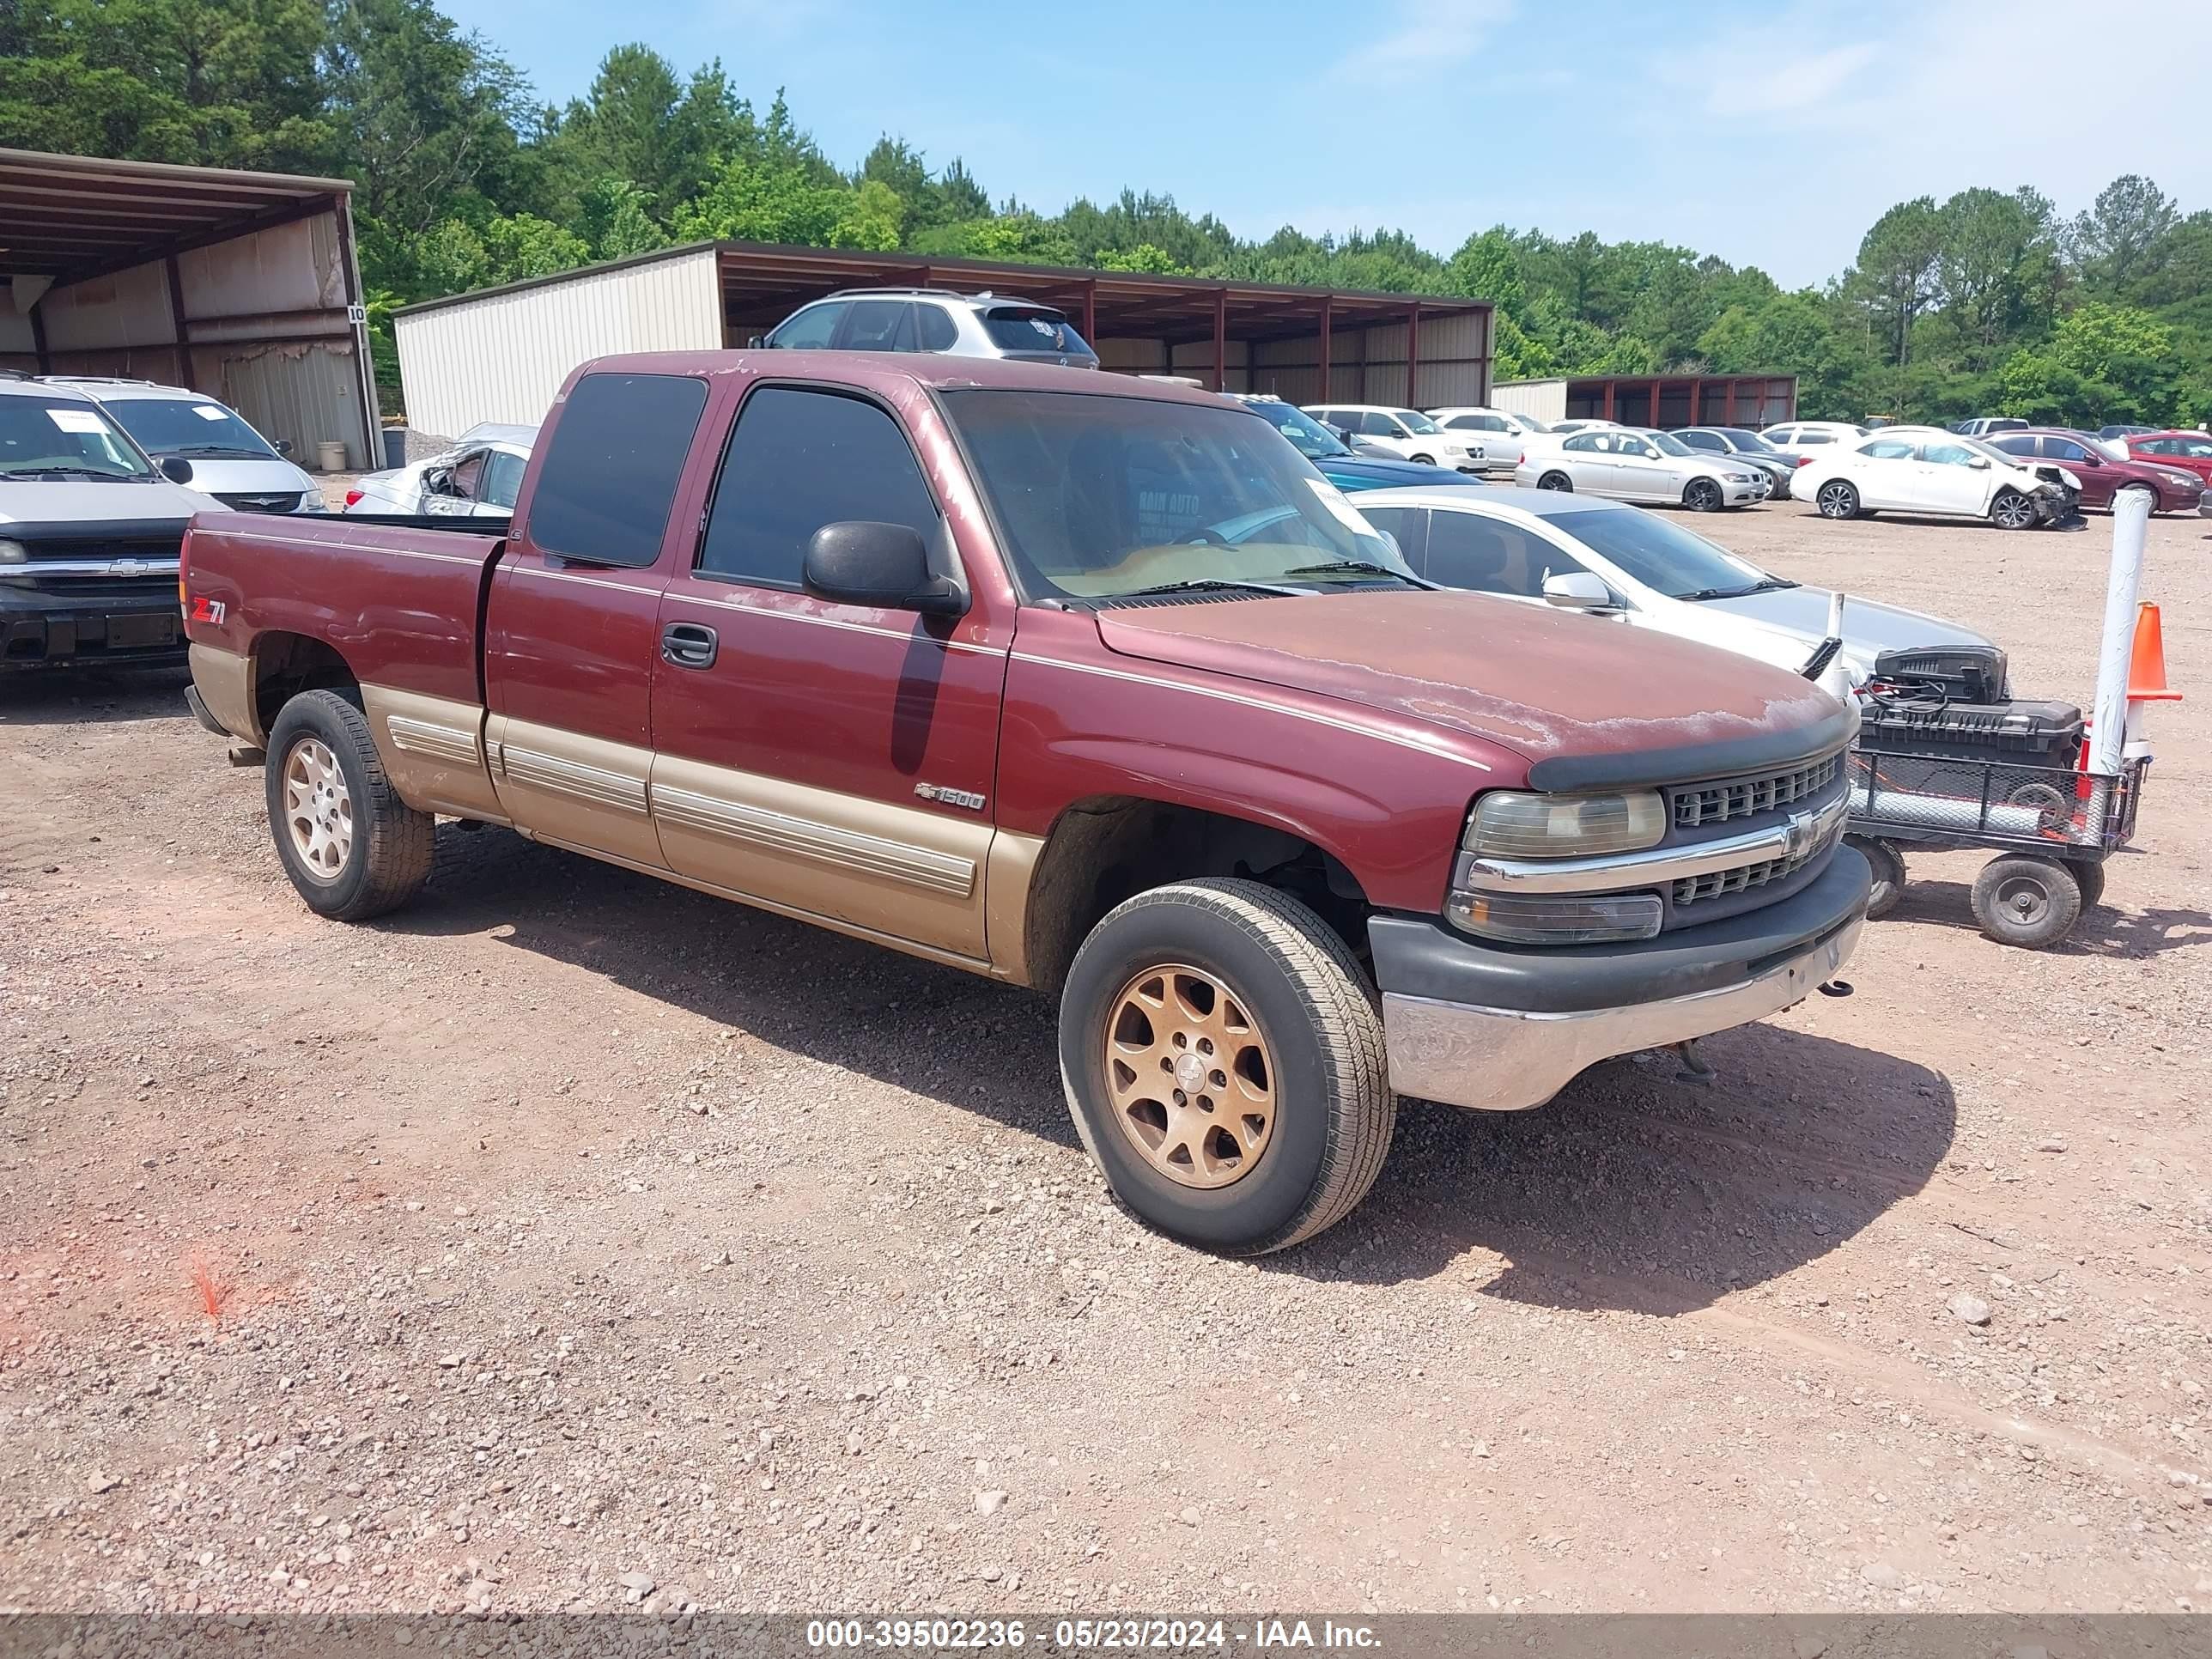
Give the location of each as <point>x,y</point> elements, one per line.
<point>1333,498</point>
<point>1050,330</point>
<point>77,420</point>
<point>209,412</point>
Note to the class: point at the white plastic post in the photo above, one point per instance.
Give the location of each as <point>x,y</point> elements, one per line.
<point>1836,677</point>
<point>2131,530</point>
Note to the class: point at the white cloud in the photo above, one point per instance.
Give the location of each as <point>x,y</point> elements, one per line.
<point>1423,37</point>
<point>1806,83</point>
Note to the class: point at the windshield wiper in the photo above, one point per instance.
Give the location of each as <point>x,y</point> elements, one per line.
<point>1765,585</point>
<point>220,449</point>
<point>74,472</point>
<point>1364,565</point>
<point>1202,583</point>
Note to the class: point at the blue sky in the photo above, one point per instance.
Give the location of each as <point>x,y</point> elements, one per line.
<point>1768,131</point>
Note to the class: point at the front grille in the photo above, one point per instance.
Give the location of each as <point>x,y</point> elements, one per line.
<point>1721,883</point>
<point>146,548</point>
<point>1700,803</point>
<point>261,500</point>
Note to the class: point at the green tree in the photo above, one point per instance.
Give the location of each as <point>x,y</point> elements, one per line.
<point>2120,237</point>
<point>1898,267</point>
<point>1996,261</point>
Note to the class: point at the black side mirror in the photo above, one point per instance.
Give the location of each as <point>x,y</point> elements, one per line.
<point>177,470</point>
<point>1343,436</point>
<point>755,341</point>
<point>861,562</point>
<point>283,446</point>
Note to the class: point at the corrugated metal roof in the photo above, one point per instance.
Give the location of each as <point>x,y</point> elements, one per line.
<point>74,217</point>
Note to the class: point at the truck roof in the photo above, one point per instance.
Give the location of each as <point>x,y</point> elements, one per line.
<point>879,369</point>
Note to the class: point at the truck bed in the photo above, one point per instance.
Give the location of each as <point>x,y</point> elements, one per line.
<point>401,600</point>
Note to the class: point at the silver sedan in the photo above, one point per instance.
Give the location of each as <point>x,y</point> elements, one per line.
<point>1627,464</point>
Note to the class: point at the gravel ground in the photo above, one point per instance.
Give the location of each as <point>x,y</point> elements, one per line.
<point>571,1241</point>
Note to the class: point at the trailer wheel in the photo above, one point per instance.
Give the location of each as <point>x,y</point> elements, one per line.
<point>2090,878</point>
<point>1223,1058</point>
<point>1888,864</point>
<point>2026,901</point>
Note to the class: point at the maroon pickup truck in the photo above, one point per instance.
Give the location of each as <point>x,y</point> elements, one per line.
<point>1090,684</point>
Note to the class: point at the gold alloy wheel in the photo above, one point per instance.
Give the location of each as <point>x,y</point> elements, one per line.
<point>318,810</point>
<point>1190,1076</point>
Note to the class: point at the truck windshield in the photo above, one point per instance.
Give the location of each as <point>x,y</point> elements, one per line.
<point>1100,497</point>
<point>175,426</point>
<point>65,438</point>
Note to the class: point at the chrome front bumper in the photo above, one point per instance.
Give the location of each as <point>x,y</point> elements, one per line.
<point>1505,1059</point>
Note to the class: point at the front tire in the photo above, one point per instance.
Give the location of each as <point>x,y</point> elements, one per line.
<point>2149,494</point>
<point>1838,499</point>
<point>2026,901</point>
<point>1557,480</point>
<point>1703,495</point>
<point>351,846</point>
<point>1423,460</point>
<point>2012,511</point>
<point>1223,1058</point>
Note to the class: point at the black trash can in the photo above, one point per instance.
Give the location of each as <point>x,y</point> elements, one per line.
<point>395,446</point>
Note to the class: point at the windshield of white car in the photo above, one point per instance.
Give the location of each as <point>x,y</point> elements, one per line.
<point>63,438</point>
<point>171,426</point>
<point>1981,447</point>
<point>1313,441</point>
<point>1417,421</point>
<point>1663,556</point>
<point>1669,444</point>
<point>1100,497</point>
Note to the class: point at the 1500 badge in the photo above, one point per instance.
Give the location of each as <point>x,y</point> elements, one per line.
<point>938,791</point>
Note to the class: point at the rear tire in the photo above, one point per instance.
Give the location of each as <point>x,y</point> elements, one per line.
<point>1556,480</point>
<point>1838,499</point>
<point>2026,901</point>
<point>1888,866</point>
<point>352,847</point>
<point>1285,1118</point>
<point>2012,511</point>
<point>1423,460</point>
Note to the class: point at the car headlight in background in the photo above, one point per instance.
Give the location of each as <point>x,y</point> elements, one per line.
<point>14,553</point>
<point>1738,478</point>
<point>1516,824</point>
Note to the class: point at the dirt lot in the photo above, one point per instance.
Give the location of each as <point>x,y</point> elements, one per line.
<point>572,1240</point>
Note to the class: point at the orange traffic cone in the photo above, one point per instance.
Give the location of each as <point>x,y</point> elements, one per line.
<point>2147,664</point>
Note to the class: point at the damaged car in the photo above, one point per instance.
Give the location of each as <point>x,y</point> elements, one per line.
<point>1909,469</point>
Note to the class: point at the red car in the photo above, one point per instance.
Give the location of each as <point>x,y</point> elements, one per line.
<point>2190,451</point>
<point>1076,681</point>
<point>2174,488</point>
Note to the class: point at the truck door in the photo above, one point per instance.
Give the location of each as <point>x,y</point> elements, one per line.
<point>829,760</point>
<point>572,631</point>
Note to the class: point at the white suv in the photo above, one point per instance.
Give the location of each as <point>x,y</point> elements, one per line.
<point>1406,432</point>
<point>1502,433</point>
<point>933,319</point>
<point>230,460</point>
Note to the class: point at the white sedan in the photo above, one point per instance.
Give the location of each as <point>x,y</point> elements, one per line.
<point>1637,568</point>
<point>477,477</point>
<point>1626,465</point>
<point>1924,469</point>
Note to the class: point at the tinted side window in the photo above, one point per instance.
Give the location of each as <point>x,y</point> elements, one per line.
<point>874,325</point>
<point>1403,525</point>
<point>2060,449</point>
<point>2015,446</point>
<point>503,478</point>
<point>937,331</point>
<point>1888,449</point>
<point>1466,549</point>
<point>811,328</point>
<point>1375,424</point>
<point>1702,440</point>
<point>799,460</point>
<point>1581,442</point>
<point>619,444</point>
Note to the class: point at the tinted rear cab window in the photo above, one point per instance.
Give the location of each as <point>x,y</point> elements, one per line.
<point>608,477</point>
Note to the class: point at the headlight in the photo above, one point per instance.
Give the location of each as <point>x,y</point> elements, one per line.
<point>311,501</point>
<point>1509,824</point>
<point>14,553</point>
<point>1738,478</point>
<point>1558,920</point>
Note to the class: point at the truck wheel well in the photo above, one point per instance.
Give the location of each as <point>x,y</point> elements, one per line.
<point>1110,848</point>
<point>285,665</point>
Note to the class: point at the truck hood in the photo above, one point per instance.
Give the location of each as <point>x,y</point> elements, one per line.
<point>238,475</point>
<point>75,500</point>
<point>1538,682</point>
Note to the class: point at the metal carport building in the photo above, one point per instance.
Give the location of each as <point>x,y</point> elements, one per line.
<point>501,354</point>
<point>242,285</point>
